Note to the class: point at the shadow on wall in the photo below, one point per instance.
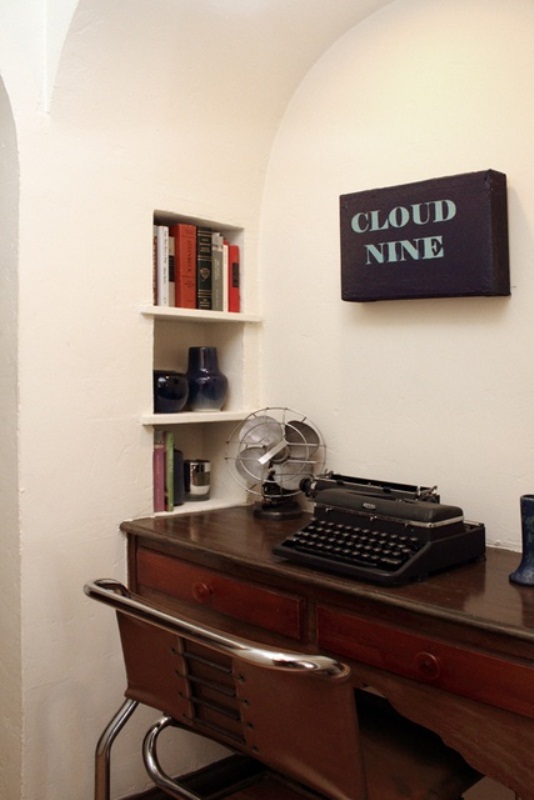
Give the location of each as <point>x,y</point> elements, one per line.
<point>10,564</point>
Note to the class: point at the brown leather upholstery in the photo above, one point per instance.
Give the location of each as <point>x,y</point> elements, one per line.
<point>301,726</point>
<point>304,727</point>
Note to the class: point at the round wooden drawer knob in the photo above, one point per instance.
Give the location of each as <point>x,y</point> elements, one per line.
<point>428,665</point>
<point>202,592</point>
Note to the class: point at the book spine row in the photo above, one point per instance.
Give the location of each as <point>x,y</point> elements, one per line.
<point>168,473</point>
<point>196,267</point>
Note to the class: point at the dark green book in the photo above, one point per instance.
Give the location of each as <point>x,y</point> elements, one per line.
<point>204,268</point>
<point>169,470</point>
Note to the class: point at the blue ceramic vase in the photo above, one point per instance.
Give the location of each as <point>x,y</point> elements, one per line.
<point>524,574</point>
<point>208,386</point>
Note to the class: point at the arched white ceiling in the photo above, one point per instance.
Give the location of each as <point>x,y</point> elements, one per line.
<point>176,88</point>
<point>256,49</point>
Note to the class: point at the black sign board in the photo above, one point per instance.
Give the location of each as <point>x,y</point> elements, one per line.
<point>446,237</point>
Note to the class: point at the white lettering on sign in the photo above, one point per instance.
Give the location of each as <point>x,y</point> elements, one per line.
<point>403,250</point>
<point>398,217</point>
<point>418,249</point>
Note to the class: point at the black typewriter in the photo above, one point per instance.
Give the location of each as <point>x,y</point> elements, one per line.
<point>382,533</point>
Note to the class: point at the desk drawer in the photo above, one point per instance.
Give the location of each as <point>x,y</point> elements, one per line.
<point>468,673</point>
<point>275,611</point>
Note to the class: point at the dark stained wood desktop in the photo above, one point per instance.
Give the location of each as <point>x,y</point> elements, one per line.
<point>454,652</point>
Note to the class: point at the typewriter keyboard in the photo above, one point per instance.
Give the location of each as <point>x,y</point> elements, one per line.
<point>352,546</point>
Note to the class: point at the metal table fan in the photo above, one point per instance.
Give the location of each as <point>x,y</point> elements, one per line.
<point>270,453</point>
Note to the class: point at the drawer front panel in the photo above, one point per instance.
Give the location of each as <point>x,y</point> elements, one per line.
<point>468,673</point>
<point>275,611</point>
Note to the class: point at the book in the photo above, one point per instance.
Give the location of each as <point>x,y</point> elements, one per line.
<point>162,265</point>
<point>217,258</point>
<point>204,266</point>
<point>179,483</point>
<point>226,247</point>
<point>169,470</point>
<point>155,265</point>
<point>185,264</point>
<point>234,278</point>
<point>158,470</point>
<point>171,271</point>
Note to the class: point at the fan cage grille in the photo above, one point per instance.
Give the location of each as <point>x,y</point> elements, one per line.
<point>273,450</point>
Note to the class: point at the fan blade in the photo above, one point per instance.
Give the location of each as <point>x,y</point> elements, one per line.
<point>248,464</point>
<point>261,430</point>
<point>290,474</point>
<point>302,439</point>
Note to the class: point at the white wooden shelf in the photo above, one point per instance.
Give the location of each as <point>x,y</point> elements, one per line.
<point>174,330</point>
<point>190,506</point>
<point>196,315</point>
<point>188,417</point>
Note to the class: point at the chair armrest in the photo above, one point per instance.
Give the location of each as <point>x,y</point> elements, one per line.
<point>113,593</point>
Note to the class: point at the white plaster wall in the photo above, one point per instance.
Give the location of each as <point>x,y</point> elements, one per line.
<point>426,391</point>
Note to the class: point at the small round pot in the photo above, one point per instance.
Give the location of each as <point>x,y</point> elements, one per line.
<point>171,391</point>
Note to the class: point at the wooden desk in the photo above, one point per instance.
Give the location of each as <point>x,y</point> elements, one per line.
<point>454,653</point>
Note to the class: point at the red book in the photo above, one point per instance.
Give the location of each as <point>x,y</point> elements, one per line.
<point>185,264</point>
<point>234,299</point>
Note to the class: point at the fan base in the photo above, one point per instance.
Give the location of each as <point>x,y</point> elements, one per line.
<point>286,509</point>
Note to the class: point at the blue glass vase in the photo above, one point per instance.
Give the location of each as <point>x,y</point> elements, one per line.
<point>208,386</point>
<point>524,574</point>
